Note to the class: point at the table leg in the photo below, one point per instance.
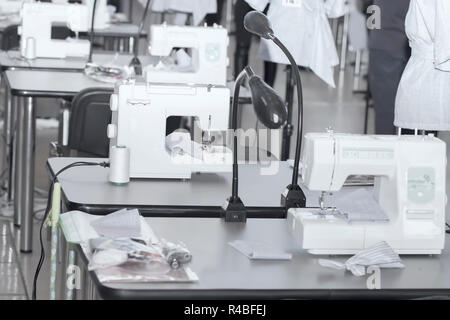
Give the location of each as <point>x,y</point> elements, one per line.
<point>344,42</point>
<point>18,155</point>
<point>131,42</point>
<point>27,184</point>
<point>12,148</point>
<point>7,125</point>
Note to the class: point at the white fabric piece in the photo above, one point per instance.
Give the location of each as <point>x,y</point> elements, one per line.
<point>380,254</point>
<point>359,206</point>
<point>122,223</point>
<point>180,143</point>
<point>423,97</point>
<point>255,250</point>
<point>76,226</point>
<point>198,8</point>
<point>304,29</point>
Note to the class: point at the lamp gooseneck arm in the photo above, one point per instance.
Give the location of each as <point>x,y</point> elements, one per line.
<point>92,36</point>
<point>141,28</point>
<point>300,107</point>
<point>237,86</point>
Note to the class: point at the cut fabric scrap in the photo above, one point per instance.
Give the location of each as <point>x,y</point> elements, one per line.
<point>380,254</point>
<point>255,250</point>
<point>122,223</point>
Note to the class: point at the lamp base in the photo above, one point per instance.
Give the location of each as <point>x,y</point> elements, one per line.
<point>136,65</point>
<point>293,197</point>
<point>235,210</point>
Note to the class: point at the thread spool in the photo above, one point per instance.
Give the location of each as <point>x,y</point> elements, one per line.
<point>30,48</point>
<point>119,165</point>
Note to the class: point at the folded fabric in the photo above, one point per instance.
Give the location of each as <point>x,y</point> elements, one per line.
<point>380,254</point>
<point>360,205</point>
<point>122,223</point>
<point>256,250</point>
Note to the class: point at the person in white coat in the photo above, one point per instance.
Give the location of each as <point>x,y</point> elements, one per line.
<point>303,26</point>
<point>423,97</point>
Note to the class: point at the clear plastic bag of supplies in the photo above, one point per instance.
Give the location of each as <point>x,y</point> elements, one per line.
<point>132,260</point>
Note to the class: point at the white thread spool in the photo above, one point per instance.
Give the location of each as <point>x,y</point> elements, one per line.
<point>119,165</point>
<point>30,48</point>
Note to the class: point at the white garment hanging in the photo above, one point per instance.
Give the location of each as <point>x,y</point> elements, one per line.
<point>198,8</point>
<point>303,27</point>
<point>423,97</point>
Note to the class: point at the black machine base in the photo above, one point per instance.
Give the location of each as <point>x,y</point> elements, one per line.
<point>293,197</point>
<point>235,210</point>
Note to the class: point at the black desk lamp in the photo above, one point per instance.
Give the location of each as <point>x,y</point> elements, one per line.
<point>91,48</point>
<point>271,111</point>
<point>135,62</point>
<point>257,23</point>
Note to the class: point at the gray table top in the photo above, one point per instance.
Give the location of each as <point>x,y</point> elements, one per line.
<point>57,84</point>
<point>89,186</point>
<point>88,189</point>
<point>13,60</point>
<point>223,272</point>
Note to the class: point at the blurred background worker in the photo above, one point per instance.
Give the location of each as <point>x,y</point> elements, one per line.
<point>423,98</point>
<point>389,54</point>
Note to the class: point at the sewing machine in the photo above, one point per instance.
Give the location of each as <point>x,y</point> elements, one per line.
<point>208,48</point>
<point>410,173</point>
<point>36,28</point>
<point>138,130</point>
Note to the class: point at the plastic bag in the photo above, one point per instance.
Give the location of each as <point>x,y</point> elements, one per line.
<point>132,260</point>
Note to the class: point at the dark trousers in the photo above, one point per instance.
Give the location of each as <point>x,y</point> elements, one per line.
<point>212,18</point>
<point>243,42</point>
<point>385,72</point>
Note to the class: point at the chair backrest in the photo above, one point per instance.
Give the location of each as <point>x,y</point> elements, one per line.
<point>90,116</point>
<point>10,38</point>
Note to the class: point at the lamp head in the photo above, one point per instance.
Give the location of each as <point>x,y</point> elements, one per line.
<point>269,107</point>
<point>257,23</point>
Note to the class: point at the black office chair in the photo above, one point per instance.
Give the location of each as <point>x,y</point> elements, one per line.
<point>90,115</point>
<point>10,38</point>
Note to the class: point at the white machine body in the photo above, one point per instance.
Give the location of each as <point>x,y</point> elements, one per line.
<point>36,28</point>
<point>410,173</point>
<point>208,47</point>
<point>139,114</point>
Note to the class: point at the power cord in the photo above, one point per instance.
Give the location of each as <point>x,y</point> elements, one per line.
<point>448,226</point>
<point>48,209</point>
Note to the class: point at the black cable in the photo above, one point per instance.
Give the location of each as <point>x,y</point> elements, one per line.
<point>48,209</point>
<point>135,63</point>
<point>91,49</point>
<point>448,226</point>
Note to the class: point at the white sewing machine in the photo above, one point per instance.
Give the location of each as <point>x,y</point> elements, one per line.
<point>208,60</point>
<point>36,28</point>
<point>410,173</point>
<point>138,130</point>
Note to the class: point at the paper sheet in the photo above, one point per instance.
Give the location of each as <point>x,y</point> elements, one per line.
<point>256,250</point>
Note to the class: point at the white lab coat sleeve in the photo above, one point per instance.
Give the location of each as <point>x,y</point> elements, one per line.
<point>442,36</point>
<point>336,8</point>
<point>259,5</point>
